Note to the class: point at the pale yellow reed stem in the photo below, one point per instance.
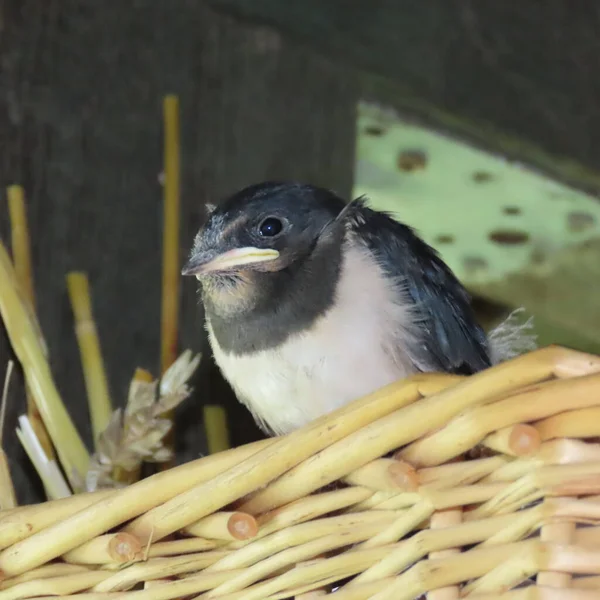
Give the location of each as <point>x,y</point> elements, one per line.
<point>63,585</point>
<point>122,505</point>
<point>309,508</point>
<point>534,592</point>
<point>443,498</point>
<point>24,338</point>
<point>157,568</point>
<point>308,575</point>
<point>554,452</point>
<point>8,496</point>
<point>157,582</point>
<point>515,440</point>
<point>439,520</point>
<point>45,572</point>
<point>96,382</point>
<point>465,431</point>
<point>560,480</point>
<point>295,555</point>
<point>406,522</point>
<point>451,477</point>
<point>179,547</point>
<point>112,548</point>
<point>538,557</point>
<point>21,251</point>
<point>459,473</point>
<point>320,572</point>
<point>511,572</point>
<point>172,590</point>
<point>370,441</point>
<point>582,423</point>
<point>281,456</point>
<point>415,548</point>
<point>592,582</point>
<point>226,526</point>
<point>556,533</point>
<point>384,474</point>
<point>336,527</point>
<point>215,425</point>
<point>311,595</point>
<point>427,575</point>
<point>82,596</point>
<point>20,244</point>
<point>406,425</point>
<point>587,536</point>
<point>27,520</point>
<point>363,591</point>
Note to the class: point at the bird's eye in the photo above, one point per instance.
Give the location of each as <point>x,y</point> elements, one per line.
<point>270,227</point>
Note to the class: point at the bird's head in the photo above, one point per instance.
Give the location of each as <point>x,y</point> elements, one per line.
<point>264,236</point>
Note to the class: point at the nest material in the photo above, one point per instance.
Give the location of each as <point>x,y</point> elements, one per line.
<point>327,510</point>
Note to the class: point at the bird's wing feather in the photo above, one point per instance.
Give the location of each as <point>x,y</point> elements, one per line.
<point>450,338</point>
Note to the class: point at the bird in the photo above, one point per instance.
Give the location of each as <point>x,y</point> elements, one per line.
<point>311,302</point>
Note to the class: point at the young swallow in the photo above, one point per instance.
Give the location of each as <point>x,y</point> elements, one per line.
<point>311,302</point>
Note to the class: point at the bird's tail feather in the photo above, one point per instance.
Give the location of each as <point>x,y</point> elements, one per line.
<point>512,337</point>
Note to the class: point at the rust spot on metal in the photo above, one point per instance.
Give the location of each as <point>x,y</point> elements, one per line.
<point>411,160</point>
<point>512,210</point>
<point>444,238</point>
<point>374,130</point>
<point>474,263</point>
<point>482,177</point>
<point>580,221</point>
<point>509,237</point>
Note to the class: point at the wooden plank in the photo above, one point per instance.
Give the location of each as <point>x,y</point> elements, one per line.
<point>81,129</point>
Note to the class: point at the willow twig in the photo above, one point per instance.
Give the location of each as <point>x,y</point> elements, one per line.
<point>304,533</point>
<point>224,526</point>
<point>27,520</point>
<point>120,506</point>
<point>46,572</point>
<point>62,585</point>
<point>581,423</point>
<point>112,548</point>
<point>440,520</point>
<point>515,440</point>
<point>157,568</point>
<point>283,454</point>
<point>537,402</point>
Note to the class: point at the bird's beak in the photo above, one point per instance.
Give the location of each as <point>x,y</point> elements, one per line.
<point>202,263</point>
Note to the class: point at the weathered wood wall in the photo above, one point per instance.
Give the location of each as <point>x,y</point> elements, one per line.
<point>518,77</point>
<point>80,127</point>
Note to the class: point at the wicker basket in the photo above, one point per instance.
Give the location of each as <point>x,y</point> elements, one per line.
<point>492,494</point>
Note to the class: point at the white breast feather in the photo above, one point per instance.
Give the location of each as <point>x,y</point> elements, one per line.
<point>360,345</point>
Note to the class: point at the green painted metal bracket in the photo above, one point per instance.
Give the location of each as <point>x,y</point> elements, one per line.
<point>508,232</point>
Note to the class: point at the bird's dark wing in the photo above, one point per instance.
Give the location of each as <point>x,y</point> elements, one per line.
<point>451,340</point>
